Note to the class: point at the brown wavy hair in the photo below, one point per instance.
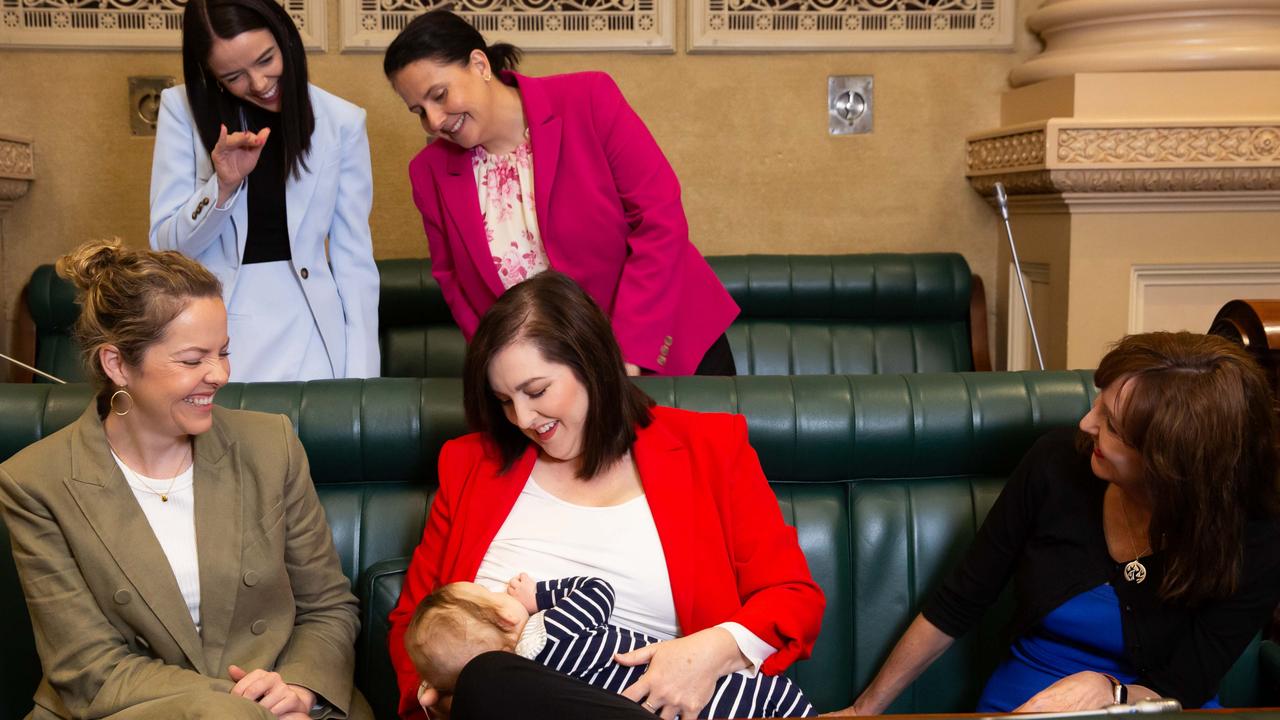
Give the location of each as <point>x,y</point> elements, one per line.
<point>127,299</point>
<point>1202,417</point>
<point>565,324</point>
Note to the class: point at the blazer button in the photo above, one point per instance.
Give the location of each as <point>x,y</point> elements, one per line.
<point>667,341</point>
<point>251,578</point>
<point>303,272</point>
<point>194,214</point>
<point>662,359</point>
<point>258,627</point>
<point>142,642</point>
<point>122,597</point>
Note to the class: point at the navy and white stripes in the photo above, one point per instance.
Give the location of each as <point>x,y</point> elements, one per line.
<point>581,643</point>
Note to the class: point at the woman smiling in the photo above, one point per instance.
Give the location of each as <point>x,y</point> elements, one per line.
<point>174,556</point>
<point>573,471</point>
<point>266,181</point>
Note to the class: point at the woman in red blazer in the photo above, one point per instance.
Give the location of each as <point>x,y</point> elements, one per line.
<point>574,472</point>
<point>529,173</point>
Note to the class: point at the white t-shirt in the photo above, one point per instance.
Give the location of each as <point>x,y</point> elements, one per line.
<point>550,538</point>
<point>174,525</point>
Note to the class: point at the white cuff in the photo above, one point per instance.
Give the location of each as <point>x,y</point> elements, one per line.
<point>755,649</point>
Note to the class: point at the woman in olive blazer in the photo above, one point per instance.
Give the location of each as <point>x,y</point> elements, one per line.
<point>256,619</point>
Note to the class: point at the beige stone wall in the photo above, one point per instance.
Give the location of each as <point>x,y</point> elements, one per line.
<point>746,134</point>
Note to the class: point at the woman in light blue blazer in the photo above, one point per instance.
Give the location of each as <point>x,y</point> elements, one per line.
<point>254,170</point>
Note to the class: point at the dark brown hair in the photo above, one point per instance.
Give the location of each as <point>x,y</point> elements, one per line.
<point>444,37</point>
<point>1201,415</point>
<point>211,106</point>
<point>447,631</point>
<point>128,297</point>
<point>567,327</point>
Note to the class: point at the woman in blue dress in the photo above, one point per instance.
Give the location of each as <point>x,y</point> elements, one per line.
<point>1144,549</point>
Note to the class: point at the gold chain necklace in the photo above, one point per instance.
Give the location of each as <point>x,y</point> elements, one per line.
<point>1135,571</point>
<point>164,496</point>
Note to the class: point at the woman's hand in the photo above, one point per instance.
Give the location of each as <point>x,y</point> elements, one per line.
<point>682,673</point>
<point>632,369</point>
<point>1082,691</point>
<point>435,704</point>
<point>269,690</point>
<point>234,157</point>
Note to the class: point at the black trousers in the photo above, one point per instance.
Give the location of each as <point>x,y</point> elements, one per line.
<point>502,685</point>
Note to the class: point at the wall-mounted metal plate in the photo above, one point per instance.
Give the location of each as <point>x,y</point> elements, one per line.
<point>849,104</point>
<point>144,102</point>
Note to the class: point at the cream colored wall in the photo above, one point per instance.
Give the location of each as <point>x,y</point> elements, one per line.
<point>746,134</point>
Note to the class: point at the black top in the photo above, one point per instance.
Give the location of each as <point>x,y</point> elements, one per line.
<point>1046,530</point>
<point>268,238</point>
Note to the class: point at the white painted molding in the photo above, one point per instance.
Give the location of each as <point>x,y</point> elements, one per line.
<point>533,25</point>
<point>835,25</point>
<point>1245,280</point>
<point>1018,352</point>
<point>125,24</point>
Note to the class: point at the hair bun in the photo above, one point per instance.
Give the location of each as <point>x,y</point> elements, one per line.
<point>86,265</point>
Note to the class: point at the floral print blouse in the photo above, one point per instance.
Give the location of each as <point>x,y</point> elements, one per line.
<point>505,186</point>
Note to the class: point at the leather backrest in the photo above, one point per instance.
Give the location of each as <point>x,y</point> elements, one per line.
<point>801,315</point>
<point>885,478</point>
<point>52,301</point>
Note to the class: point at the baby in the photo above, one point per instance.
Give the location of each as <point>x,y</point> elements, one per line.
<point>563,624</point>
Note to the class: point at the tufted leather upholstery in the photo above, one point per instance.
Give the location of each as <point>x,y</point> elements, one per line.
<point>54,311</point>
<point>801,315</point>
<point>885,477</point>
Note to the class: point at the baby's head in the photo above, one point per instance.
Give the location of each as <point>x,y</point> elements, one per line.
<point>456,623</point>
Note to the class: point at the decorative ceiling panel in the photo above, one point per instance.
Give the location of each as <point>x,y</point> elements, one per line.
<point>788,25</point>
<point>123,24</point>
<point>534,25</point>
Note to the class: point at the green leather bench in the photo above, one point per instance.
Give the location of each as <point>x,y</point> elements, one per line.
<point>801,315</point>
<point>885,477</point>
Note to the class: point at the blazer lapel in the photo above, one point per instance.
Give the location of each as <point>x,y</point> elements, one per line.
<point>544,138</point>
<point>297,195</point>
<point>667,476</point>
<point>461,201</point>
<point>493,495</point>
<point>107,502</point>
<point>219,533</point>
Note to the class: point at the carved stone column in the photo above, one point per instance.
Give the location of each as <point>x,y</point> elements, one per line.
<point>1141,151</point>
<point>17,172</point>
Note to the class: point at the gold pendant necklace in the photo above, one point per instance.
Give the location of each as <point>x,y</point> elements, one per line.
<point>1134,571</point>
<point>164,496</point>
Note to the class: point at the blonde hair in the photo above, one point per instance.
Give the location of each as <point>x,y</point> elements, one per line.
<point>448,630</point>
<point>128,297</point>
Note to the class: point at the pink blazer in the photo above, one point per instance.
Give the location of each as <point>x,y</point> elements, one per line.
<point>608,206</point>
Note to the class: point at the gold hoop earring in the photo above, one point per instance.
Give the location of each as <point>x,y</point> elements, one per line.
<point>112,403</point>
<point>488,77</point>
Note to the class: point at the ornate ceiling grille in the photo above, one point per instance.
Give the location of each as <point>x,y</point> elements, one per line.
<point>123,24</point>
<point>538,25</point>
<point>735,25</point>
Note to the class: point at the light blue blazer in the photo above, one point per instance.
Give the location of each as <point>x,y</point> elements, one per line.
<point>331,199</point>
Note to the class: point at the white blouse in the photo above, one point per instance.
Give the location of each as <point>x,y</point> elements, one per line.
<point>550,538</point>
<point>505,187</point>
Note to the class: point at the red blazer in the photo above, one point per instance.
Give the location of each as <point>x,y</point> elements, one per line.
<point>609,212</point>
<point>729,553</point>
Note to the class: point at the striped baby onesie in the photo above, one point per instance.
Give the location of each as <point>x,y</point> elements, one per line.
<point>580,642</point>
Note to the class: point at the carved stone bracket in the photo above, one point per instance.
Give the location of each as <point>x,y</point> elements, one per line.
<point>17,169</point>
<point>1074,157</point>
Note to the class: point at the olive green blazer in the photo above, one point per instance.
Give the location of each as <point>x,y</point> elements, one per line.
<point>110,624</point>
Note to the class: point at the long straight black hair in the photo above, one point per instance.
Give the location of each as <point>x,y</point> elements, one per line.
<point>212,106</point>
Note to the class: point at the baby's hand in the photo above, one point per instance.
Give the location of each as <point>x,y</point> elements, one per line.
<point>522,588</point>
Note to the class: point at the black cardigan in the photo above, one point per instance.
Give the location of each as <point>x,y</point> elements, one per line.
<point>1046,530</point>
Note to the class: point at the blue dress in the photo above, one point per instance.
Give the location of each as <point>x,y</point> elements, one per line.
<point>1081,634</point>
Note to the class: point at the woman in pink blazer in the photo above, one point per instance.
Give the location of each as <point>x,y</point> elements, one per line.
<point>527,174</point>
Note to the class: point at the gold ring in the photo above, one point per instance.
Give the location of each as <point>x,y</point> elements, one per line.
<point>648,707</point>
